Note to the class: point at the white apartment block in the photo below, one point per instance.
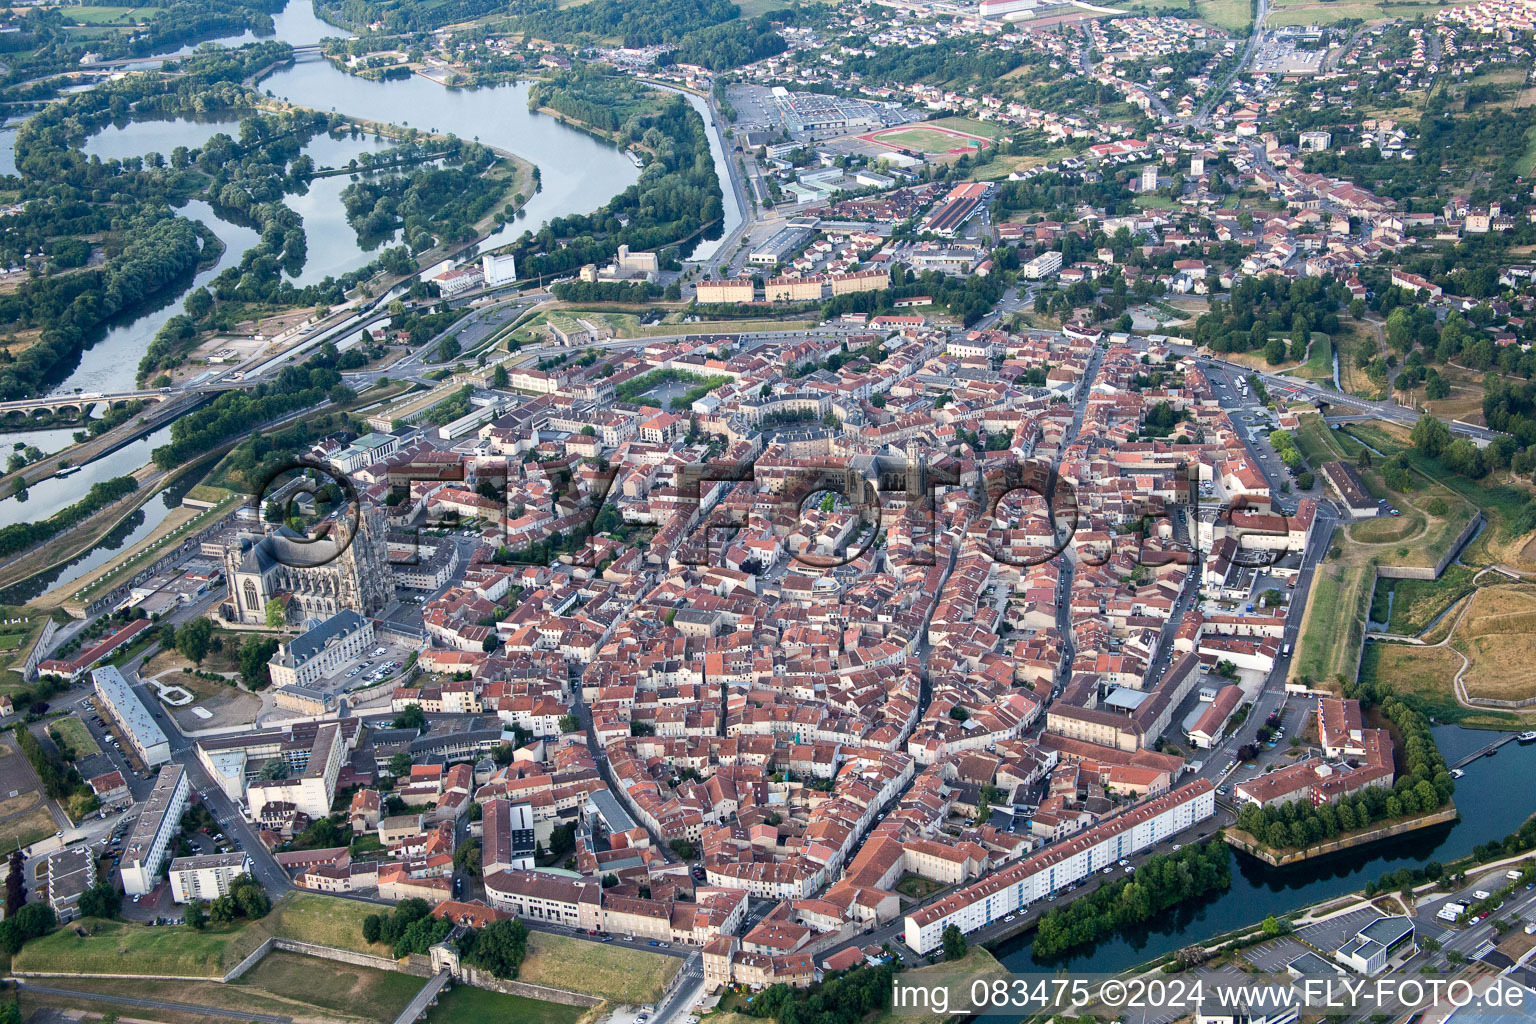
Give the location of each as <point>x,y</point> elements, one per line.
<point>1038,877</point>
<point>158,824</point>
<point>207,877</point>
<point>138,725</point>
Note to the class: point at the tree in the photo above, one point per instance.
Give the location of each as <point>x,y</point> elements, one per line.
<point>1272,925</point>
<point>501,946</point>
<point>569,723</point>
<point>683,848</point>
<point>274,768</point>
<point>955,946</point>
<point>1430,436</point>
<point>410,717</point>
<point>276,612</point>
<point>499,376</point>
<point>371,928</point>
<point>197,914</point>
<point>250,897</point>
<point>467,858</point>
<point>254,654</point>
<point>400,765</point>
<point>101,900</point>
<point>194,639</point>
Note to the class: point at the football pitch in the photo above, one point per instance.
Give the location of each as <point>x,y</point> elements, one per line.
<point>927,139</point>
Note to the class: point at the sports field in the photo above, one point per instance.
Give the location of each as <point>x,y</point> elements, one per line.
<point>927,138</point>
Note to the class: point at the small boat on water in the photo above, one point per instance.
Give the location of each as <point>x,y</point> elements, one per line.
<point>69,471</point>
<point>1457,773</point>
<point>634,158</point>
<point>1529,736</point>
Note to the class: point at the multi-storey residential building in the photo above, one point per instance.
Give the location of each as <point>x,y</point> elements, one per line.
<point>157,825</point>
<point>206,877</point>
<point>1042,874</point>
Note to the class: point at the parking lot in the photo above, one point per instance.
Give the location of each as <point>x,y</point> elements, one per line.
<point>1271,957</point>
<point>1333,933</point>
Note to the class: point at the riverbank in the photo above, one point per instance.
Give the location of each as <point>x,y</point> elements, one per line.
<point>1247,843</point>
<point>1492,798</point>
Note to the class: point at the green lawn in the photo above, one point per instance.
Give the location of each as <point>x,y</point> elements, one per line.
<point>1416,603</point>
<point>600,969</point>
<point>925,140</point>
<point>1527,161</point>
<point>1317,442</point>
<point>1233,15</point>
<point>285,985</point>
<point>358,991</point>
<point>1319,364</point>
<point>1330,12</point>
<point>985,129</point>
<point>74,733</point>
<point>1155,202</point>
<point>1334,624</point>
<point>117,947</point>
<point>92,15</point>
<point>462,1003</point>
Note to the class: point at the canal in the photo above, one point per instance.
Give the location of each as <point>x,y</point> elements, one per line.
<point>1493,802</point>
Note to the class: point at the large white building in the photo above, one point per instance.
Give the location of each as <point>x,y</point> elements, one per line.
<point>207,877</point>
<point>1003,8</point>
<point>1044,265</point>
<point>309,792</point>
<point>1058,866</point>
<point>498,269</point>
<point>320,652</point>
<point>158,824</point>
<point>117,697</point>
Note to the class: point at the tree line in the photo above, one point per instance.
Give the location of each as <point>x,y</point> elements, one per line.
<point>1161,882</point>
<point>18,537</point>
<point>1424,785</point>
<point>677,195</point>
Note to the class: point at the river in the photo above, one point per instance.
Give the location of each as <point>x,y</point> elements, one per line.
<point>1493,803</point>
<point>111,364</point>
<point>579,173</point>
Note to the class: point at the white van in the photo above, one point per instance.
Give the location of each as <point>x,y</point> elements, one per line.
<point>1481,894</point>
